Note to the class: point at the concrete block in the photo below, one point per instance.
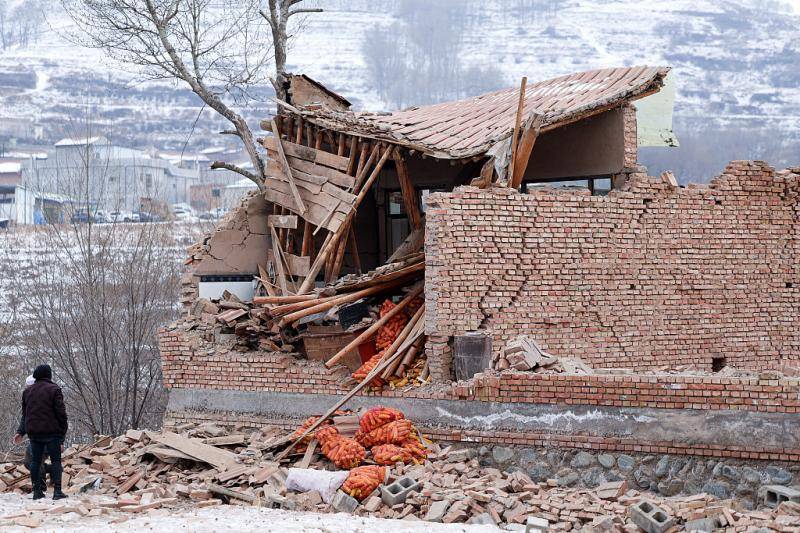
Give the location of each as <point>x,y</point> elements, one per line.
<point>535,524</point>
<point>774,495</point>
<point>397,492</point>
<point>437,511</point>
<point>703,524</point>
<point>344,503</point>
<point>483,518</point>
<point>650,517</point>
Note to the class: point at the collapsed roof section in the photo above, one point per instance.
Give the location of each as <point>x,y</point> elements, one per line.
<point>471,127</point>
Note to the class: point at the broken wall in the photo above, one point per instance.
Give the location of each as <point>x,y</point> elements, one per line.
<point>651,276</point>
<point>238,245</point>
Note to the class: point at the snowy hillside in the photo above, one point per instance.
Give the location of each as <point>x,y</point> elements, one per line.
<point>737,63</point>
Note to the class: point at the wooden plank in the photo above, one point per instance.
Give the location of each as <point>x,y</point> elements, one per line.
<point>310,449</point>
<point>195,448</point>
<point>340,194</point>
<point>410,198</point>
<point>286,169</point>
<point>525,148</point>
<point>316,213</point>
<point>517,120</point>
<point>280,273</point>
<point>298,265</point>
<point>333,239</point>
<point>334,176</point>
<point>283,221</point>
<point>321,199</point>
<point>275,168</point>
<point>309,154</point>
<point>130,482</point>
<point>216,489</point>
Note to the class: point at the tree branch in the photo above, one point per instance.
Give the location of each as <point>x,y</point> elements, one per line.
<point>216,165</point>
<point>306,10</point>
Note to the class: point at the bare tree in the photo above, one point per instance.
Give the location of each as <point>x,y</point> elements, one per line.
<point>3,18</point>
<point>218,50</point>
<point>94,307</point>
<point>280,11</point>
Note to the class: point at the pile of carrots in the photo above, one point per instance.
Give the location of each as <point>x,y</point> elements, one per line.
<point>386,336</point>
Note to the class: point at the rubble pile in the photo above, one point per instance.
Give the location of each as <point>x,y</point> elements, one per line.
<point>524,354</point>
<point>204,465</point>
<point>358,321</point>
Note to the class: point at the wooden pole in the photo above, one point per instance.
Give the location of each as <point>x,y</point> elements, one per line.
<point>517,121</point>
<point>370,331</point>
<point>279,300</point>
<point>399,340</point>
<point>410,200</point>
<point>525,148</point>
<point>338,300</point>
<point>285,164</point>
<point>299,138</point>
<point>354,250</point>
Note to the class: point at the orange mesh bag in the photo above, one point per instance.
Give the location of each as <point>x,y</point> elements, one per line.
<point>363,371</point>
<point>392,433</point>
<point>363,480</point>
<point>388,333</point>
<point>389,454</point>
<point>299,431</point>
<point>377,417</point>
<point>415,448</point>
<point>344,452</point>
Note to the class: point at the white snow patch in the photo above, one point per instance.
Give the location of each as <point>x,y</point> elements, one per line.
<point>549,419</point>
<point>227,518</point>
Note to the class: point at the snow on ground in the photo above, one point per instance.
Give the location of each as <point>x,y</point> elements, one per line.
<point>228,518</point>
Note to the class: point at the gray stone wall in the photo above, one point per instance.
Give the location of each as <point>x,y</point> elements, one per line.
<point>666,475</point>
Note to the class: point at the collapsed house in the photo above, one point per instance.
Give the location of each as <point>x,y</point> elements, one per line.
<point>668,314</point>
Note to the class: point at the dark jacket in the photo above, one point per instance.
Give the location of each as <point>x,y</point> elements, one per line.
<point>44,411</point>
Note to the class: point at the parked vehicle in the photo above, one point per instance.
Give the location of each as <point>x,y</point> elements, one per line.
<point>120,216</point>
<point>81,216</point>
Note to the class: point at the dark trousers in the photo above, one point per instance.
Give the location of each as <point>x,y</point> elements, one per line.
<point>53,449</point>
<point>45,468</point>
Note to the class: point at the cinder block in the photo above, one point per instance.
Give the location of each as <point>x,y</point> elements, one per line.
<point>398,491</point>
<point>344,503</point>
<point>535,524</point>
<point>650,517</point>
<point>774,495</point>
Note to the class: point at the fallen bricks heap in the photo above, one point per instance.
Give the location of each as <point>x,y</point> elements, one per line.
<point>205,465</point>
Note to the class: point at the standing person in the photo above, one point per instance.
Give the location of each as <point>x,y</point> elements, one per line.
<point>46,425</point>
<point>44,469</point>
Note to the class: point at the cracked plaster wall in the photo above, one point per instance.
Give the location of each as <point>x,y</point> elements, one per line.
<point>237,245</point>
<point>646,277</point>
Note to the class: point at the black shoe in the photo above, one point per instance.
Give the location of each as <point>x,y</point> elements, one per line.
<point>38,494</point>
<point>58,495</point>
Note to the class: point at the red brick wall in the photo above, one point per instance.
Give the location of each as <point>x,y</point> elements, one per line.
<point>646,277</point>
<point>189,362</point>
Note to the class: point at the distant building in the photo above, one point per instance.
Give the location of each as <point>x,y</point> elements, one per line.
<point>111,177</point>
